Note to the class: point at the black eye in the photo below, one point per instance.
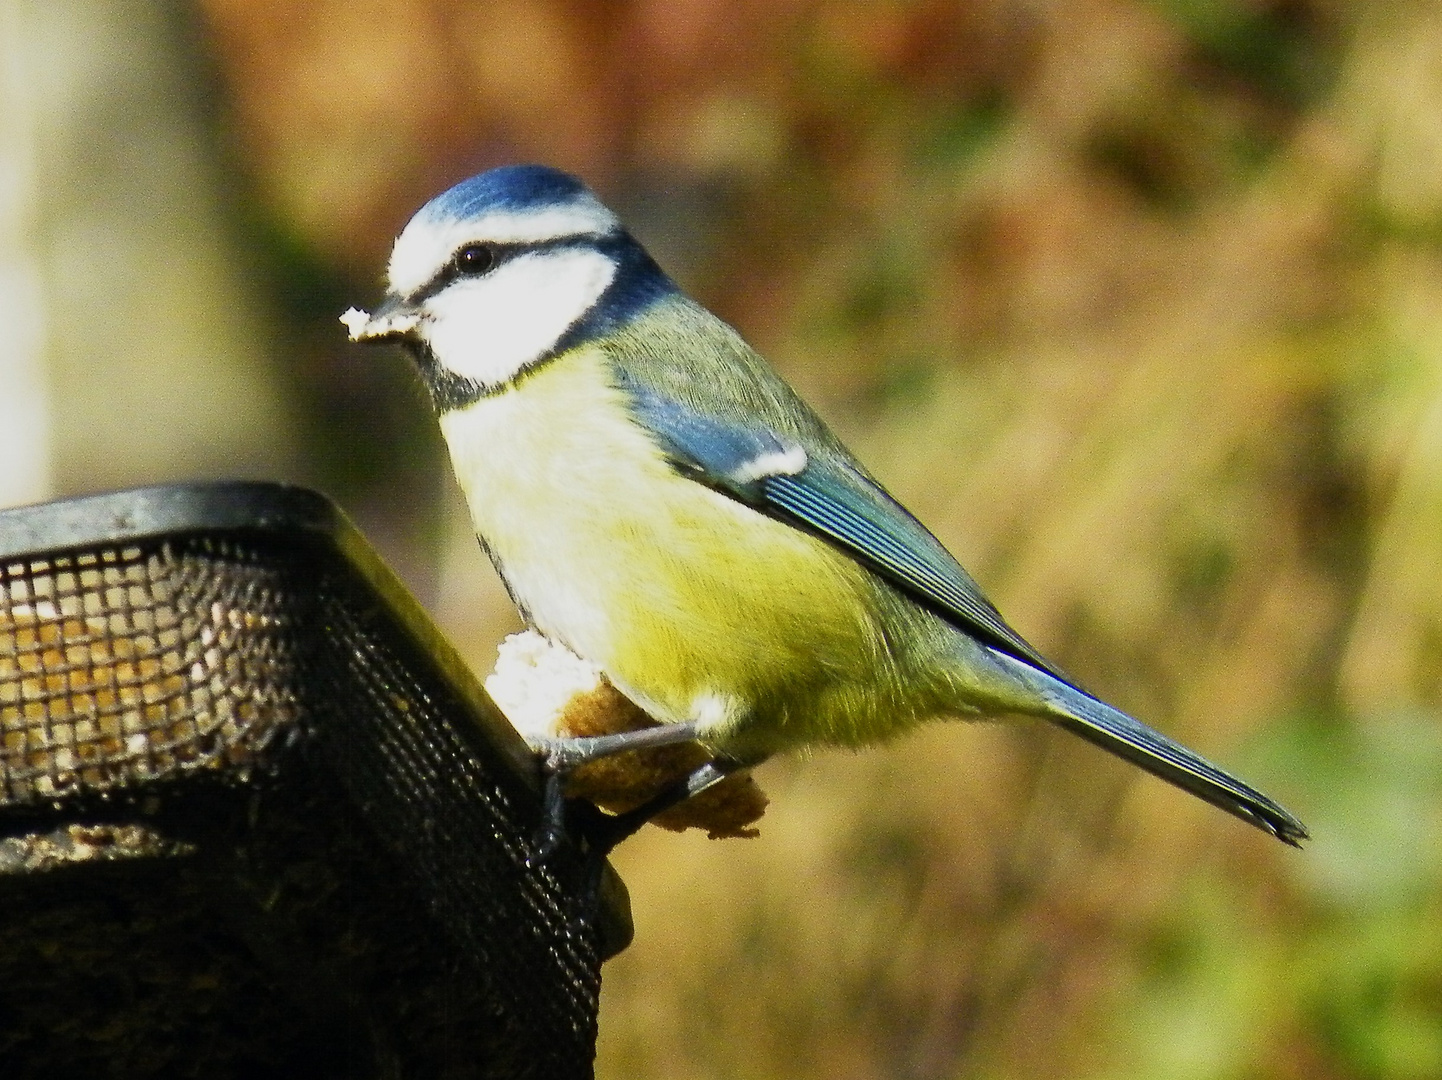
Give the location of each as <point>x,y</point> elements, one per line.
<point>474,259</point>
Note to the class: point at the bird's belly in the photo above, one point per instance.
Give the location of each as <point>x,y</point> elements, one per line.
<point>696,605</point>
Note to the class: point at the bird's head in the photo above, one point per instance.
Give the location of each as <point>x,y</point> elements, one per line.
<point>503,271</point>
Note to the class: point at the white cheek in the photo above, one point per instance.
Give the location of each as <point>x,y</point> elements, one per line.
<point>489,328</point>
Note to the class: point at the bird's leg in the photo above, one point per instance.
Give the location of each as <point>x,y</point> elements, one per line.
<point>615,829</point>
<point>559,757</point>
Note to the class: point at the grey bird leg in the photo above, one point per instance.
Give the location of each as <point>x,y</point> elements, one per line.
<point>563,755</point>
<point>618,828</point>
<point>560,756</point>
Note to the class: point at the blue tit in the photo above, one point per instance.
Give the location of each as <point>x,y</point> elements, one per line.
<point>660,501</point>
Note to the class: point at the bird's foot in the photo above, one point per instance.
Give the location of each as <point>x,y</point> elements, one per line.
<point>560,757</point>
<point>611,830</point>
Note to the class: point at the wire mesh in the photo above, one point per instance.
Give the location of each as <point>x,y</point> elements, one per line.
<point>139,675</point>
<point>120,665</point>
<point>467,832</point>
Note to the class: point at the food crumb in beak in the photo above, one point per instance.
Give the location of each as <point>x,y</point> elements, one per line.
<point>355,321</point>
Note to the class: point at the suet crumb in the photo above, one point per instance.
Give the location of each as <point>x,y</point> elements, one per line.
<point>355,321</point>
<point>547,691</point>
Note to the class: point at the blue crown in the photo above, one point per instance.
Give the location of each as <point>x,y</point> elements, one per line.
<point>510,187</point>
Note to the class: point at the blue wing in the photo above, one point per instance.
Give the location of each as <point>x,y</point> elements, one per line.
<point>832,497</point>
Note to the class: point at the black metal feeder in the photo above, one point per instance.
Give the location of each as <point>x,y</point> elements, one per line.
<point>258,819</point>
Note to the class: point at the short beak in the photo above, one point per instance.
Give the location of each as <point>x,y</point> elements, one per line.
<point>395,320</point>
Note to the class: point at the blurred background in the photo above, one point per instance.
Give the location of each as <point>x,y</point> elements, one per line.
<point>1137,303</point>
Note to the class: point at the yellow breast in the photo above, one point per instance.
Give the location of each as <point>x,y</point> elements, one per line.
<point>694,604</point>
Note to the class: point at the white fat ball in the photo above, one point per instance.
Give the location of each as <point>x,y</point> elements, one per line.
<point>535,679</point>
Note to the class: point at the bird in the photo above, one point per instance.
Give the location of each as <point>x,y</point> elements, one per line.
<point>657,499</point>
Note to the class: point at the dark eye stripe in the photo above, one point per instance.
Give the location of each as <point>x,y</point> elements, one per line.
<point>470,260</point>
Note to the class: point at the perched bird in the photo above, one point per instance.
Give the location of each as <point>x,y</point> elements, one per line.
<point>658,500</point>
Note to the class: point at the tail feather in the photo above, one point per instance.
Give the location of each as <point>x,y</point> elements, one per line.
<point>1117,733</point>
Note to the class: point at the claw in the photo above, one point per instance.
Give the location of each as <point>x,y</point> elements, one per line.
<point>560,757</point>
<point>552,830</point>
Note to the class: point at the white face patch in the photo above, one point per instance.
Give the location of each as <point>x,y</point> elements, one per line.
<point>427,243</point>
<point>490,327</point>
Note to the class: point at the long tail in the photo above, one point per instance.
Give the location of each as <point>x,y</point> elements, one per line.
<point>1116,732</point>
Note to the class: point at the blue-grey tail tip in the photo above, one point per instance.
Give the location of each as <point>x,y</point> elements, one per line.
<point>1269,817</point>
<point>1120,734</point>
